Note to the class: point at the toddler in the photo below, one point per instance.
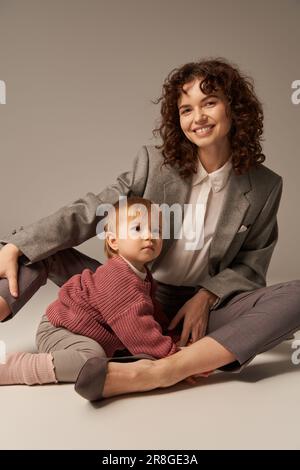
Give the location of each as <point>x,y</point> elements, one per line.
<point>112,311</point>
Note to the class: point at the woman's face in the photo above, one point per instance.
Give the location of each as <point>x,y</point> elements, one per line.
<point>204,118</point>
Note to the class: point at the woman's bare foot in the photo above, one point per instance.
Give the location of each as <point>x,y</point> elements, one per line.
<point>140,376</point>
<point>200,359</point>
<point>4,309</point>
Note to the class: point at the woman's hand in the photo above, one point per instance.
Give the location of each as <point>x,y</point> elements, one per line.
<point>9,255</point>
<point>195,313</point>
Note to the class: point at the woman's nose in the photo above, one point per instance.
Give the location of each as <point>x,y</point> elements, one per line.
<point>199,116</point>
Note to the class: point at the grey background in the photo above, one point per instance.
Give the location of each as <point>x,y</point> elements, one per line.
<point>80,78</point>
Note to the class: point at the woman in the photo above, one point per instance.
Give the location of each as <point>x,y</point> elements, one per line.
<point>211,127</point>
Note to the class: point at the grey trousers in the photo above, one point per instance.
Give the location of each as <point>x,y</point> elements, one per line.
<point>69,350</point>
<point>247,324</point>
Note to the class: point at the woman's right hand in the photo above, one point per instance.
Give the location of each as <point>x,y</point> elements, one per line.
<point>9,266</point>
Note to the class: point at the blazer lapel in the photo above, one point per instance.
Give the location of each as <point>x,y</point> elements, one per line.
<point>177,190</point>
<point>233,212</point>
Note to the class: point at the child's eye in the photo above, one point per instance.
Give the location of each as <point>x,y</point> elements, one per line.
<point>137,228</point>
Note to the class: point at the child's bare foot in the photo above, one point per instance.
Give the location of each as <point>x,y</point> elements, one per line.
<point>4,309</point>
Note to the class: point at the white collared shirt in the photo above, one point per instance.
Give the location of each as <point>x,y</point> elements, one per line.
<point>141,274</point>
<point>182,267</point>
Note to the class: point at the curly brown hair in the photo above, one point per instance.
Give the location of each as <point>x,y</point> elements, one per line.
<point>246,114</point>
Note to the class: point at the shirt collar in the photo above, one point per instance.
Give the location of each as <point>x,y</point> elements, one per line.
<point>141,274</point>
<point>218,178</point>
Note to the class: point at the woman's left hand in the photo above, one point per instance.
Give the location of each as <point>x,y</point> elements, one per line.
<point>195,313</point>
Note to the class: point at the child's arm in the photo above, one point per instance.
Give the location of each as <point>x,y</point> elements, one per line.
<point>140,333</point>
<point>159,315</point>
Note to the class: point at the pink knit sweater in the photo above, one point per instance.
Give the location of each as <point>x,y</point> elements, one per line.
<point>116,308</point>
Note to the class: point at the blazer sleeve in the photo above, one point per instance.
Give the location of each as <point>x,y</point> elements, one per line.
<point>249,268</point>
<point>76,222</point>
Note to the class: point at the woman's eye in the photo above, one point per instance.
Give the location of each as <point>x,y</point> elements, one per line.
<point>210,103</point>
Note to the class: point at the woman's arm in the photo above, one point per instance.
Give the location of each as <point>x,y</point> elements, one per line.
<point>76,222</point>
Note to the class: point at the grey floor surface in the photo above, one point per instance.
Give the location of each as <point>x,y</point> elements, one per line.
<point>257,409</point>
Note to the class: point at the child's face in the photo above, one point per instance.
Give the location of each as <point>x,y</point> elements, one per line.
<point>138,238</point>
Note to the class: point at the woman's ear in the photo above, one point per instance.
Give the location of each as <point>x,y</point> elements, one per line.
<point>112,241</point>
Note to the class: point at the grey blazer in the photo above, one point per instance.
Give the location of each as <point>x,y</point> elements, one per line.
<point>238,260</point>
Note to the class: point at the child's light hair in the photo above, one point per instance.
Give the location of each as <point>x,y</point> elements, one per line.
<point>112,225</point>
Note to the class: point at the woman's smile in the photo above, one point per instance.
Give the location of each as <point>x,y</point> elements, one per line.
<point>203,130</point>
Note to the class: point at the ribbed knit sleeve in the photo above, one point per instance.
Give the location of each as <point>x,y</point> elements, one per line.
<point>140,333</point>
